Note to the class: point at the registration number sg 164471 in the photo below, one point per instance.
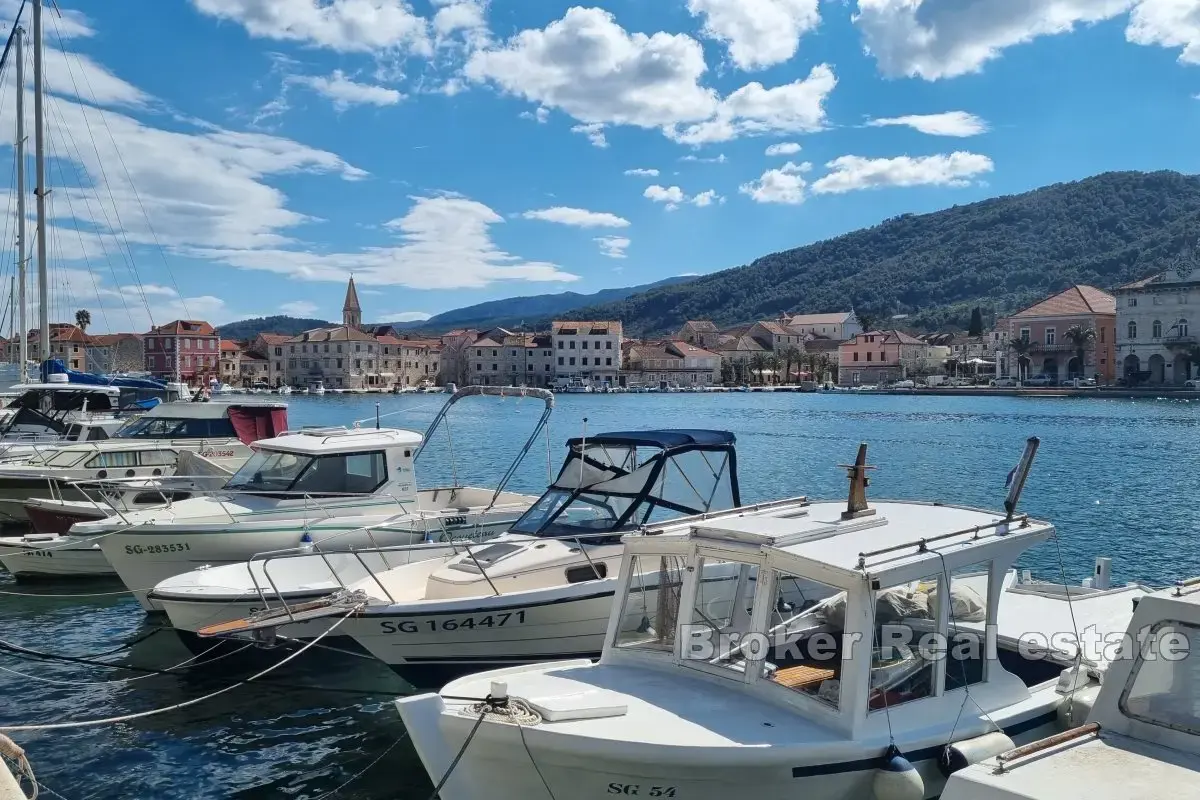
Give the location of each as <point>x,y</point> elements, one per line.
<point>499,620</point>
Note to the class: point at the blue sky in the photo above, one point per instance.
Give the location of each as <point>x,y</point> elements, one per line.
<point>221,159</point>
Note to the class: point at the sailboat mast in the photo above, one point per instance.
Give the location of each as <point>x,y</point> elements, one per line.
<point>22,280</point>
<point>39,145</point>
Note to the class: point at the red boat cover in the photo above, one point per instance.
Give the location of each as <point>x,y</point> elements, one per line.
<point>258,422</point>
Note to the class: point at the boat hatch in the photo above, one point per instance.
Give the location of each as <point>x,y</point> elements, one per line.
<point>615,482</point>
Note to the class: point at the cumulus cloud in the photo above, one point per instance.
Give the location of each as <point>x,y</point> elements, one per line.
<point>597,72</point>
<point>577,217</point>
<point>758,33</point>
<point>672,197</point>
<point>648,173</point>
<point>950,123</point>
<point>850,173</point>
<point>594,132</point>
<point>540,115</point>
<point>783,149</point>
<point>346,93</point>
<point>719,158</point>
<point>612,246</point>
<point>784,185</point>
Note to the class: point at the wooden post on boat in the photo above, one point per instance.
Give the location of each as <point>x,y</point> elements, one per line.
<point>856,503</point>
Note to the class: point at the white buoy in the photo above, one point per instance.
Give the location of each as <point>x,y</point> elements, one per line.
<point>897,779</point>
<point>306,543</point>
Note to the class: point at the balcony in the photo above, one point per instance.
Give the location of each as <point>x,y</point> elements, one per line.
<point>1058,347</point>
<point>1178,341</point>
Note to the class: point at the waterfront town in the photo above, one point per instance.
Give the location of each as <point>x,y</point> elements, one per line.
<point>1136,335</point>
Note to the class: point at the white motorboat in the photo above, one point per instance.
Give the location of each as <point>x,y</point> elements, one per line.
<point>145,447</point>
<point>47,414</point>
<point>723,686</point>
<point>316,388</point>
<point>327,486</point>
<point>285,389</point>
<point>541,590</point>
<point>1142,736</point>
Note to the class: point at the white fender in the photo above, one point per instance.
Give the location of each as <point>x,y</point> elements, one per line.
<point>897,779</point>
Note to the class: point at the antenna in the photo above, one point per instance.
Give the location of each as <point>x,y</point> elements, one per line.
<point>1016,478</point>
<point>856,502</point>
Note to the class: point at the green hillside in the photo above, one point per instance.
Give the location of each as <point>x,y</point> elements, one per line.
<point>999,254</point>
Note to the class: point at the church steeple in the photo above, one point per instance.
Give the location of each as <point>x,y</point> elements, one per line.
<point>351,310</point>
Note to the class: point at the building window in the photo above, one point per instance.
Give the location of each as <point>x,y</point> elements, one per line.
<point>572,361</point>
<point>1051,334</point>
<point>1132,302</point>
<point>479,353</point>
<point>1156,330</point>
<point>608,362</point>
<point>584,360</point>
<point>479,367</point>
<point>856,356</point>
<point>1183,328</point>
<point>560,360</point>
<point>1102,336</point>
<point>547,368</point>
<point>560,344</point>
<point>1132,329</point>
<point>608,345</point>
<point>495,367</point>
<point>869,356</point>
<point>339,363</point>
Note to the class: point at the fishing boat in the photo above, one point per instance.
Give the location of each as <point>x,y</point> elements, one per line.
<point>145,447</point>
<point>331,487</point>
<point>1141,737</point>
<point>713,683</point>
<point>541,590</point>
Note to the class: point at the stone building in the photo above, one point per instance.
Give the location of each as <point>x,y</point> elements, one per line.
<point>1044,332</point>
<point>194,342</point>
<point>115,352</point>
<point>880,357</point>
<point>589,351</point>
<point>1156,327</point>
<point>672,363</point>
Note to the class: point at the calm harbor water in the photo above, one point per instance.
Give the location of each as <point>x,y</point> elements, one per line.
<point>1111,474</point>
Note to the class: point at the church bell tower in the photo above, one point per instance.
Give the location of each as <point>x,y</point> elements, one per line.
<point>351,310</point>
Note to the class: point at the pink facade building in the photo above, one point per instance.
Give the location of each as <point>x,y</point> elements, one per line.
<point>876,357</point>
<point>1044,339</point>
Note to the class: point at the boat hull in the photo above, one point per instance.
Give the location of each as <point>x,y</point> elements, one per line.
<point>45,519</point>
<point>54,558</point>
<point>427,648</point>
<point>144,557</point>
<point>505,763</point>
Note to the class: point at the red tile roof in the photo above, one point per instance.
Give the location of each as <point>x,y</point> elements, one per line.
<point>229,346</point>
<point>1078,299</point>
<point>184,327</point>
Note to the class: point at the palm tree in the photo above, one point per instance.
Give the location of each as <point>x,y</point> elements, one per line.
<point>758,362</point>
<point>790,355</point>
<point>773,364</point>
<point>1081,337</point>
<point>83,318</point>
<point>1020,347</point>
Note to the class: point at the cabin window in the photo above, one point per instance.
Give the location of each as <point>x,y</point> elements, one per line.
<point>113,460</point>
<point>802,648</point>
<point>650,609</point>
<point>717,632</point>
<point>1164,686</point>
<point>67,458</point>
<point>167,428</point>
<point>905,642</point>
<point>966,656</point>
<point>588,572</point>
<point>158,458</point>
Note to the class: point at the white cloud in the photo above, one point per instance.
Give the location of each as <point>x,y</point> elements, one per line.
<point>717,159</point>
<point>593,69</point>
<point>707,198</point>
<point>346,93</point>
<point>783,185</point>
<point>783,149</point>
<point>73,75</point>
<point>950,123</point>
<point>759,33</point>
<point>612,246</point>
<point>541,114</point>
<point>577,217</point>
<point>796,107</point>
<point>671,195</point>
<point>850,173</point>
<point>404,316</point>
<point>594,133</point>
<point>342,25</point>
<point>590,67</point>
<point>298,308</point>
<point>445,243</point>
<point>935,39</point>
<point>460,15</point>
<point>1168,23</point>
<point>647,173</point>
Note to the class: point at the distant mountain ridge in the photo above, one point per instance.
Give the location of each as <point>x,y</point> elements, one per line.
<point>512,311</point>
<point>998,254</point>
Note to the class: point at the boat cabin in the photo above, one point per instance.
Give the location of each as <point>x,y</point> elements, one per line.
<point>61,411</point>
<point>246,422</point>
<point>1142,735</point>
<point>613,483</point>
<point>833,612</point>
<point>331,462</point>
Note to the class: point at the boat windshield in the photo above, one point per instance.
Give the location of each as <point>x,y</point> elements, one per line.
<point>180,428</point>
<point>609,487</point>
<point>282,472</point>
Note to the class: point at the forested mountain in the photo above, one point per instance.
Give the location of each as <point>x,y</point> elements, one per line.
<point>512,311</point>
<point>999,254</point>
<point>249,328</point>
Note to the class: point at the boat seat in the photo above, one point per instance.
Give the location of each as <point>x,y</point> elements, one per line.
<point>802,676</point>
